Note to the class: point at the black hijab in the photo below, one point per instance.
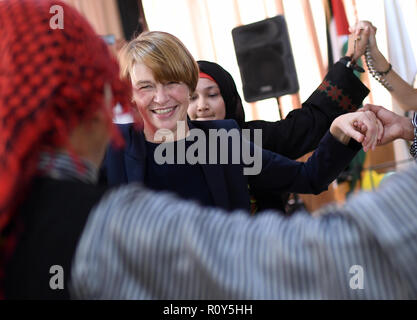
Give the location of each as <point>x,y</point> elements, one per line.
<point>227,86</point>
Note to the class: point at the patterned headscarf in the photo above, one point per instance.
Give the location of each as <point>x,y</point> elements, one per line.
<point>227,86</point>
<point>51,79</point>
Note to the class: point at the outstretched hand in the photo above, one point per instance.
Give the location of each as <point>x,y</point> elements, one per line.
<point>364,127</point>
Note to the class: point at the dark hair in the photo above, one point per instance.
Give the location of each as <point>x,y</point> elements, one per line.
<point>227,86</point>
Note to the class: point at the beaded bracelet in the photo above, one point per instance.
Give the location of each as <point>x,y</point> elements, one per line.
<point>378,75</point>
<point>413,148</point>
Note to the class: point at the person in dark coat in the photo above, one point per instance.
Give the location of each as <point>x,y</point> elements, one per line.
<point>57,88</point>
<point>216,97</point>
<point>164,75</point>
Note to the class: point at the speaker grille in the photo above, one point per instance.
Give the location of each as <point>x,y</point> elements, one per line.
<point>265,59</point>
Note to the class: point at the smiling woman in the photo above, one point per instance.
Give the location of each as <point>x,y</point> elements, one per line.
<point>161,105</point>
<point>207,102</point>
<point>164,75</point>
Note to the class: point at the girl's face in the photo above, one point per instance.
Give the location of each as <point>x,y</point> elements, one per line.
<point>160,104</point>
<point>207,103</point>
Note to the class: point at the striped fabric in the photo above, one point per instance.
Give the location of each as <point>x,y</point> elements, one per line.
<point>413,147</point>
<point>142,245</point>
<point>61,166</point>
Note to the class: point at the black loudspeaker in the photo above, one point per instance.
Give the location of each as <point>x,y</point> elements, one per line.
<point>130,14</point>
<point>265,59</point>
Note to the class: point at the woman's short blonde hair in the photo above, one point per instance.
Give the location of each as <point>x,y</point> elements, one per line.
<point>164,54</point>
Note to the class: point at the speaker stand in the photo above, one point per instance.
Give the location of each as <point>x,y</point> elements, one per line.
<point>281,114</point>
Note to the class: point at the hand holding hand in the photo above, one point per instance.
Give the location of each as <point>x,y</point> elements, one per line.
<point>395,126</point>
<point>380,62</point>
<point>364,127</point>
<point>360,33</point>
<point>367,26</point>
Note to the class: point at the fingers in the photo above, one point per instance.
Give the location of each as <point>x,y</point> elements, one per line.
<point>371,137</point>
<point>362,42</point>
<point>372,107</point>
<point>370,144</point>
<point>388,123</point>
<point>370,32</point>
<point>362,25</point>
<point>365,123</point>
<point>385,116</point>
<point>372,130</point>
<point>380,131</point>
<point>358,41</point>
<point>352,132</point>
<point>362,126</point>
<point>372,39</point>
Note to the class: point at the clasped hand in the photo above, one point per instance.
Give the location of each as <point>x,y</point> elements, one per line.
<point>372,126</point>
<point>363,126</point>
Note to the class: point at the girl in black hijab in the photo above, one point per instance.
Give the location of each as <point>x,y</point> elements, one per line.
<point>216,97</point>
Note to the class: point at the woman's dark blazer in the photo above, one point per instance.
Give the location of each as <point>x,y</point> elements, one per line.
<point>226,182</point>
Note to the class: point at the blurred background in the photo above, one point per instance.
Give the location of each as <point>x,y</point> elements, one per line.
<point>317,32</point>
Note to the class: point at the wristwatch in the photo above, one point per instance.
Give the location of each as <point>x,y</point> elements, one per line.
<point>347,61</point>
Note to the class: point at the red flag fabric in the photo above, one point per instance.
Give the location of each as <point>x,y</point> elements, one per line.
<point>339,15</point>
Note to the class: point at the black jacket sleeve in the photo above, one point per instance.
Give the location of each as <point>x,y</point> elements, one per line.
<point>301,131</point>
<point>280,174</point>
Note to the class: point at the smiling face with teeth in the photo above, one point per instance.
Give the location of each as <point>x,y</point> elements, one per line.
<point>163,74</point>
<point>160,104</point>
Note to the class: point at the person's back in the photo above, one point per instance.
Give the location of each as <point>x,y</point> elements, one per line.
<point>158,247</point>
<point>54,215</point>
<point>55,122</point>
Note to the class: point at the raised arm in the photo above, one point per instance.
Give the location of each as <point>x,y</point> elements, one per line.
<point>333,154</point>
<point>402,91</point>
<point>301,131</point>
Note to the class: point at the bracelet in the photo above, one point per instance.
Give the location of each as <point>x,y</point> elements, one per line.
<point>384,73</point>
<point>378,75</point>
<point>413,148</point>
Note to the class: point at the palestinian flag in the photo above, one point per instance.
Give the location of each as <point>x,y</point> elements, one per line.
<point>337,30</point>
